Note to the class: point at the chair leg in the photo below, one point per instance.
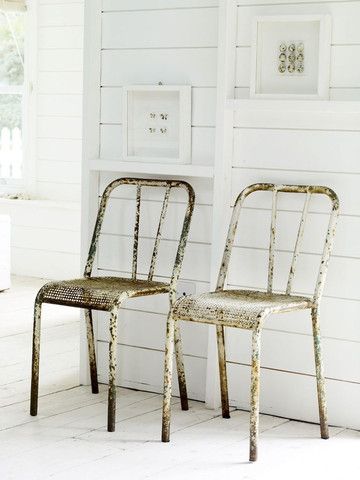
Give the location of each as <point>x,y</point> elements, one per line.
<point>180,368</point>
<point>319,374</point>
<point>255,393</point>
<point>112,370</point>
<point>222,371</point>
<point>169,349</point>
<point>35,359</point>
<point>92,352</point>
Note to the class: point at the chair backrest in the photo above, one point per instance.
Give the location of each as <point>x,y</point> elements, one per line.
<point>308,191</point>
<point>168,185</point>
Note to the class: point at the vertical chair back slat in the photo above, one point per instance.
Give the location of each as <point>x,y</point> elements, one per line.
<point>136,232</point>
<point>298,243</point>
<point>272,242</point>
<point>309,191</point>
<point>159,233</point>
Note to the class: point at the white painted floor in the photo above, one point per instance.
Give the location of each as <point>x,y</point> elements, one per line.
<point>68,440</point>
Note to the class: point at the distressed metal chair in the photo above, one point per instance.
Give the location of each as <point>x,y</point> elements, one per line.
<point>108,293</point>
<point>248,309</point>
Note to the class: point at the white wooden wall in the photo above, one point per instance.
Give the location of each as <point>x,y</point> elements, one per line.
<point>46,235</point>
<point>283,149</point>
<point>175,43</point>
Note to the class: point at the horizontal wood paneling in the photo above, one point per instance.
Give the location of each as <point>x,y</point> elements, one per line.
<point>66,60</point>
<point>297,150</point>
<point>57,190</point>
<point>59,127</point>
<point>160,28</point>
<point>295,353</point>
<point>115,5</point>
<point>196,67</point>
<point>61,14</point>
<point>203,142</point>
<point>61,37</point>
<point>60,82</point>
<point>46,239</point>
<point>59,105</point>
<point>294,396</point>
<point>65,172</point>
<point>344,16</point>
<point>59,149</point>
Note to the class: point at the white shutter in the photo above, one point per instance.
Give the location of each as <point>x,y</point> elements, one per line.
<point>13,5</point>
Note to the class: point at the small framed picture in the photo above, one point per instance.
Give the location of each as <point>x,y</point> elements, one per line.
<point>291,57</point>
<point>157,123</point>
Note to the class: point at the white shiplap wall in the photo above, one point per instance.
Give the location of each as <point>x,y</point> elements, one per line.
<point>283,151</point>
<point>145,42</point>
<point>46,234</point>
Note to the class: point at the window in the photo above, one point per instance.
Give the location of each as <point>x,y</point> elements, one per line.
<point>12,33</point>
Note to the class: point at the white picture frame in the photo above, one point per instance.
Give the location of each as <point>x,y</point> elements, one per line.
<point>157,123</point>
<point>315,33</point>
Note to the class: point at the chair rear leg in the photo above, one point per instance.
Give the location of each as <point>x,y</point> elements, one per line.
<point>91,350</point>
<point>319,374</point>
<point>112,371</point>
<point>169,349</point>
<point>35,359</point>
<point>255,393</point>
<point>180,368</point>
<point>222,371</point>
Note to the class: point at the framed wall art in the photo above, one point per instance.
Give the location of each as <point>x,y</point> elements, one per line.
<point>291,57</point>
<point>157,123</point>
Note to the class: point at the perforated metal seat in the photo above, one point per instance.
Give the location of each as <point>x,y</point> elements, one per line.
<point>236,308</point>
<point>100,293</point>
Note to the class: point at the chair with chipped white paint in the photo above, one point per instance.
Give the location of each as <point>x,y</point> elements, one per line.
<point>248,309</point>
<point>109,293</point>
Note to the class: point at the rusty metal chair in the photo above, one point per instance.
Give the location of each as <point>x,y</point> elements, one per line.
<point>108,293</point>
<point>248,309</point>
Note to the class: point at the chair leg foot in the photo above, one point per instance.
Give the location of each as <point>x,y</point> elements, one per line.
<point>112,371</point>
<point>320,379</point>
<point>169,349</point>
<point>35,360</point>
<point>255,394</point>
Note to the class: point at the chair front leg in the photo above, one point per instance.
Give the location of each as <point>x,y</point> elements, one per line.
<point>319,374</point>
<point>91,350</point>
<point>222,371</point>
<point>35,359</point>
<point>180,368</point>
<point>255,393</point>
<point>112,370</point>
<point>169,349</point>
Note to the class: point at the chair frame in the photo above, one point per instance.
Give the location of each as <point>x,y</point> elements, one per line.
<point>308,190</point>
<point>138,183</point>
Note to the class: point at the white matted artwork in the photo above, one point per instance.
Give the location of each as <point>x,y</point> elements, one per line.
<point>157,123</point>
<point>291,57</point>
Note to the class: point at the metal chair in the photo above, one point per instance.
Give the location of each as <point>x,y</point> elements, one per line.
<point>108,293</point>
<point>248,309</point>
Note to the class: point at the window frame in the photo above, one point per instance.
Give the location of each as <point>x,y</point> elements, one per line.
<point>26,184</point>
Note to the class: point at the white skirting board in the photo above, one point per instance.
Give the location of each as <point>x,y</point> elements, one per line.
<point>4,252</point>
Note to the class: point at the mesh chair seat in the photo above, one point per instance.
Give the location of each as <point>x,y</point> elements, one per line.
<point>236,308</point>
<point>100,293</point>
